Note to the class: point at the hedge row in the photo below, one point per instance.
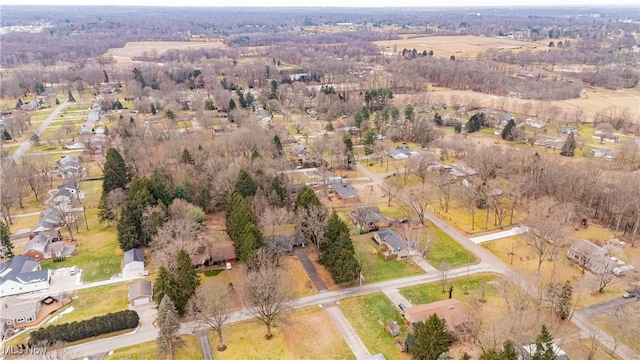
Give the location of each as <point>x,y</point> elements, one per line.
<point>95,326</point>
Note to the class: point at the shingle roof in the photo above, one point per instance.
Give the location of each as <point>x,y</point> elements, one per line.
<point>140,288</point>
<point>392,238</point>
<point>345,191</point>
<point>132,255</point>
<point>14,308</point>
<point>22,269</point>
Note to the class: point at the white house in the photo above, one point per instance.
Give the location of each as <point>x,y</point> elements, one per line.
<point>133,261</point>
<point>22,275</point>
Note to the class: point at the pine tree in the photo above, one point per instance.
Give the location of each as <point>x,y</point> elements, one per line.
<point>508,133</point>
<point>115,172</point>
<point>159,186</point>
<point>544,346</point>
<point>305,198</point>
<point>232,105</point>
<point>71,98</point>
<point>245,185</point>
<point>251,241</point>
<point>277,144</point>
<point>438,119</point>
<point>168,327</point>
<point>185,282</point>
<point>475,123</point>
<point>238,215</point>
<point>429,340</point>
<point>509,351</point>
<point>565,302</point>
<point>162,285</point>
<point>19,103</point>
<point>6,247</point>
<point>569,147</point>
<point>153,109</point>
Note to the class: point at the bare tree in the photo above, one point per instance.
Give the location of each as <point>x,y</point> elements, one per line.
<point>467,196</point>
<point>605,275</point>
<point>211,306</point>
<point>173,236</point>
<point>443,182</point>
<point>545,228</point>
<point>444,273</point>
<point>419,165</point>
<point>268,294</point>
<point>391,191</point>
<point>419,205</point>
<point>311,222</point>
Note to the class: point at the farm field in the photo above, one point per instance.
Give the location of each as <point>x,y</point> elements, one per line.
<point>137,48</point>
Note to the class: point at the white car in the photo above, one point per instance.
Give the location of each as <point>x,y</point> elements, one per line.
<point>228,266</point>
<point>74,270</point>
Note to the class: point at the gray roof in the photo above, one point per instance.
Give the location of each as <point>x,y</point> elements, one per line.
<point>393,239</point>
<point>132,255</point>
<point>50,219</point>
<point>14,308</point>
<point>140,288</point>
<point>22,269</point>
<point>345,191</point>
<point>300,150</point>
<point>284,243</point>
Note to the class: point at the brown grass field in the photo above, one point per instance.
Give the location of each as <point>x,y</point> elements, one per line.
<point>137,48</point>
<point>460,46</point>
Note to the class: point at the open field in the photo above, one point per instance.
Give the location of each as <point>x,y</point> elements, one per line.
<point>137,48</point>
<point>465,289</point>
<point>368,316</point>
<point>460,46</point>
<point>378,268</point>
<point>304,334</point>
<point>96,301</point>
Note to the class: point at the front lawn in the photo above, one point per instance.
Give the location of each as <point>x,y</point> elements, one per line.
<point>368,316</point>
<point>377,268</point>
<point>189,350</point>
<point>473,287</point>
<point>95,301</point>
<point>446,250</point>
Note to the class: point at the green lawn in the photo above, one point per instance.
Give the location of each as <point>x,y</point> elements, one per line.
<point>368,316</point>
<point>96,301</point>
<point>377,267</point>
<point>189,350</point>
<point>99,255</point>
<point>445,249</point>
<point>474,286</point>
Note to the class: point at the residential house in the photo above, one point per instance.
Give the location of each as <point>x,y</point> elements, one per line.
<point>604,154</point>
<point>535,123</point>
<point>140,293</point>
<point>452,311</point>
<point>32,105</point>
<point>568,130</point>
<point>85,129</point>
<point>69,166</point>
<point>22,274</point>
<point>94,115</point>
<point>50,219</point>
<point>396,245</point>
<point>460,170</point>
<point>590,256</point>
<point>207,254</point>
<point>346,192</point>
<point>133,261</point>
<point>369,218</point>
<point>48,245</point>
<point>284,244</point>
<point>606,136</point>
<point>15,312</point>
<point>301,152</point>
<point>400,152</point>
<point>68,193</point>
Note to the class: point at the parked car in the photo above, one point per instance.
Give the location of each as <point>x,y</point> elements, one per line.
<point>402,307</point>
<point>228,266</point>
<point>629,294</point>
<point>74,270</point>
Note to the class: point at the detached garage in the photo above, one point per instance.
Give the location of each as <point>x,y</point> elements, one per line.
<point>133,261</point>
<point>140,293</point>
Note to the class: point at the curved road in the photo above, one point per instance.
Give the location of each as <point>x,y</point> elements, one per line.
<point>27,144</point>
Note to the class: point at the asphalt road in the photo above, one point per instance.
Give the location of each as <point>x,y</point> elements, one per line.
<point>27,144</point>
<point>606,306</point>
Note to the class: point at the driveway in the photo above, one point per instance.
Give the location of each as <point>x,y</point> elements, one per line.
<point>397,298</point>
<point>355,344</point>
<point>310,270</point>
<point>500,235</point>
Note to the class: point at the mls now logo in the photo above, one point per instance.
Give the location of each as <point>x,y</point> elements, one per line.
<point>23,350</point>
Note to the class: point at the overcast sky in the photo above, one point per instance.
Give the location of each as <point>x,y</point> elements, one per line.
<point>332,3</point>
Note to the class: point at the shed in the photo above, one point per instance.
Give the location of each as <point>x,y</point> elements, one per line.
<point>133,260</point>
<point>140,293</point>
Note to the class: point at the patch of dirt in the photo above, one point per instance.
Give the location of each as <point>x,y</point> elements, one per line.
<point>238,277</point>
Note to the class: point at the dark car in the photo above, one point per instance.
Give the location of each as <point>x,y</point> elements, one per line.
<point>402,307</point>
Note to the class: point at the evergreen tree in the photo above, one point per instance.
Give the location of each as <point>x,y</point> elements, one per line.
<point>186,157</point>
<point>105,212</point>
<point>569,147</point>
<point>509,351</point>
<point>544,346</point>
<point>115,172</point>
<point>509,133</point>
<point>130,231</point>
<point>241,99</point>
<point>208,105</point>
<point>279,193</point>
<point>409,112</point>
<point>369,137</point>
<point>57,101</point>
<point>245,185</point>
<point>238,215</point>
<point>168,327</point>
<point>154,110</point>
<point>277,144</point>
<point>429,340</point>
<point>6,247</point>
<point>181,192</point>
<point>159,186</point>
<point>438,119</point>
<point>465,356</point>
<point>162,285</point>
<point>185,282</point>
<point>337,251</point>
<point>490,354</point>
<point>19,103</point>
<point>475,123</point>
<point>250,242</point>
<point>305,198</point>
<point>232,105</point>
<point>70,97</point>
